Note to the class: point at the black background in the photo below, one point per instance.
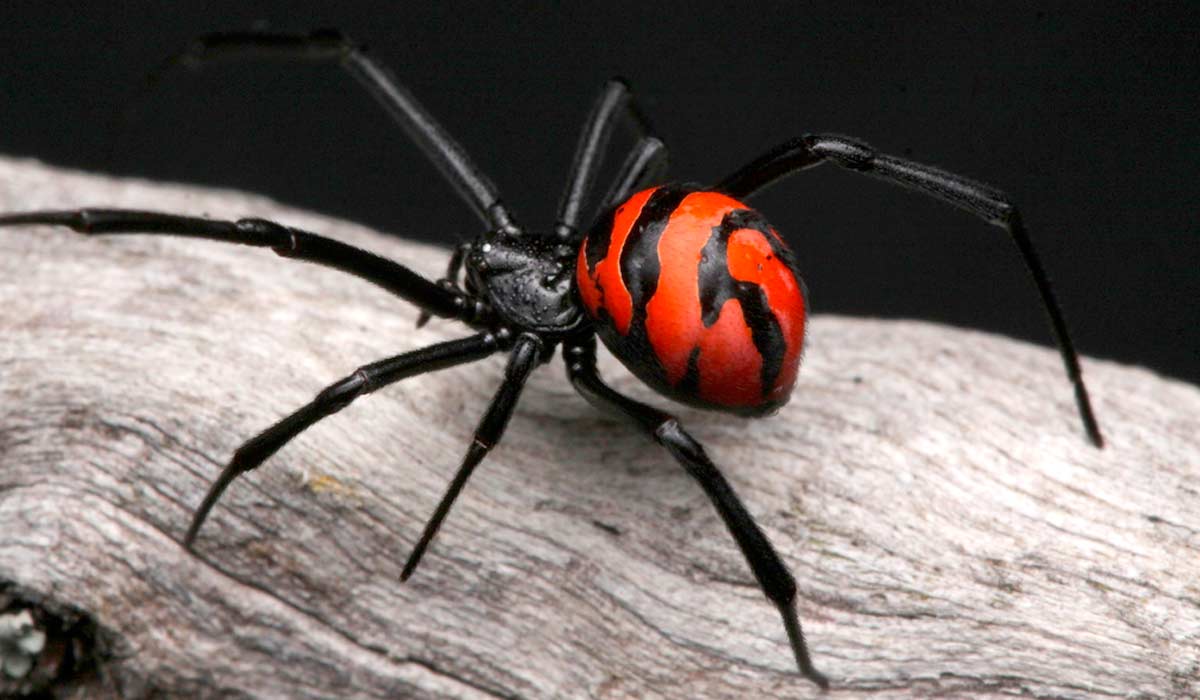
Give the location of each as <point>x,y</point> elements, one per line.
<point>1086,117</point>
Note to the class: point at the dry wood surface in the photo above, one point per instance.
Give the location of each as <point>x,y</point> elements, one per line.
<point>951,530</point>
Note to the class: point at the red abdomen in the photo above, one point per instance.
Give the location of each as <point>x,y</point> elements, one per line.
<point>698,296</point>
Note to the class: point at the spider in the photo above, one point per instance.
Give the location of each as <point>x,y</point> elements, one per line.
<point>692,290</point>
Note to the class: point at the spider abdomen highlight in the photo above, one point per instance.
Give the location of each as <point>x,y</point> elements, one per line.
<point>698,296</point>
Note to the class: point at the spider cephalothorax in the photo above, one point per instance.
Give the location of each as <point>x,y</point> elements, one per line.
<point>688,286</point>
<point>527,281</point>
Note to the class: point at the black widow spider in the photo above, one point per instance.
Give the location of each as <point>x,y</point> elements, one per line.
<point>689,259</point>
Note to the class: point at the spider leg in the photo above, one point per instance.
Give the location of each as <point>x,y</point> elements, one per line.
<point>614,101</point>
<point>331,47</point>
<point>450,281</point>
<point>526,354</point>
<point>646,163</point>
<point>773,576</point>
<point>286,241</point>
<point>334,398</point>
<point>984,201</point>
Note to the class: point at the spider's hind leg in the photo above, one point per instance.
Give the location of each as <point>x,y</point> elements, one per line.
<point>984,201</point>
<point>773,576</point>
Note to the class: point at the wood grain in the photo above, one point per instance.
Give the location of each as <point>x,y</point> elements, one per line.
<point>951,531</point>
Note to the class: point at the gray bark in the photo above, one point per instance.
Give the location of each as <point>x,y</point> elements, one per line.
<point>951,531</point>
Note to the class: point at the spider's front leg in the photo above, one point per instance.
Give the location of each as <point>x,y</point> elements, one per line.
<point>337,396</point>
<point>615,100</point>
<point>527,353</point>
<point>773,576</point>
<point>440,300</point>
<point>646,163</point>
<point>328,46</point>
<point>450,281</point>
<point>285,241</point>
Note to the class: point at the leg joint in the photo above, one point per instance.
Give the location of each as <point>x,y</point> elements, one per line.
<point>335,41</point>
<point>579,356</point>
<point>267,233</point>
<point>844,151</point>
<point>338,396</point>
<point>1005,212</point>
<point>669,430</point>
<point>670,434</point>
<point>469,309</point>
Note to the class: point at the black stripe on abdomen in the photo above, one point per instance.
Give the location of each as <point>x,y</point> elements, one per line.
<point>640,266</point>
<point>718,286</point>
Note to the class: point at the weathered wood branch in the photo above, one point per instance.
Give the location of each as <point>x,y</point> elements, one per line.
<point>950,529</point>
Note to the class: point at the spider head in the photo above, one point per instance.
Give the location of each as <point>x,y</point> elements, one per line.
<point>527,281</point>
